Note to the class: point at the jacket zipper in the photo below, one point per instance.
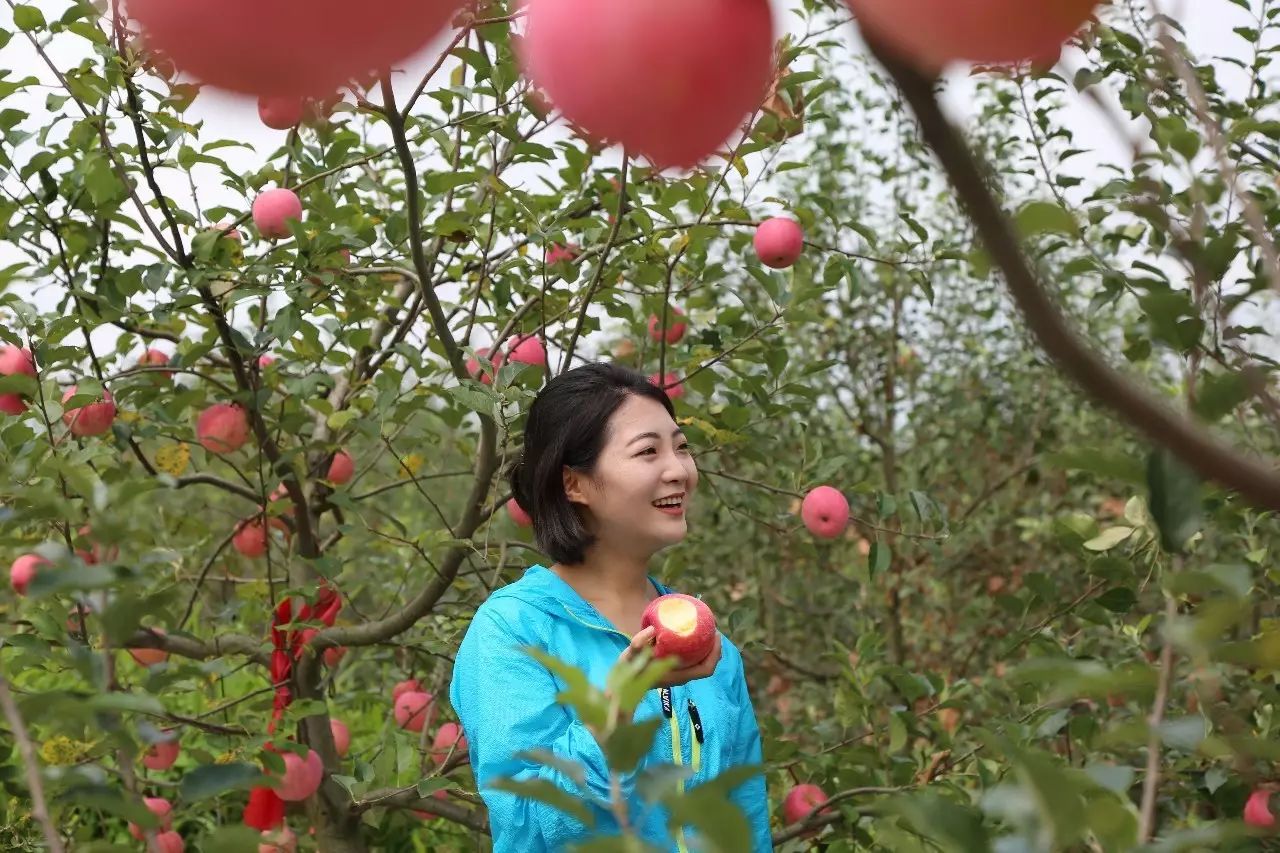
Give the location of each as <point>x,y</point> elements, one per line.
<point>673,724</point>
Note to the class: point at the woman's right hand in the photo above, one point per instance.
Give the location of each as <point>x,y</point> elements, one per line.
<point>675,677</point>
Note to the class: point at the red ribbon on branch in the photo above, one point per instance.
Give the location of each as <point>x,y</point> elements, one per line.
<point>265,809</point>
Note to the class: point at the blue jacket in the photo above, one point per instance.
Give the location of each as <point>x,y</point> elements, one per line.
<point>506,703</point>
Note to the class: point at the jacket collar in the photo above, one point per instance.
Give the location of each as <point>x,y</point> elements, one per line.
<point>547,591</point>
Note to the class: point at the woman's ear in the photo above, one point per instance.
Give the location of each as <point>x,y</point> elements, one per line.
<point>575,484</point>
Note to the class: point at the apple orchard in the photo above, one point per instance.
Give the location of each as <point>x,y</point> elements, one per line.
<point>968,310</point>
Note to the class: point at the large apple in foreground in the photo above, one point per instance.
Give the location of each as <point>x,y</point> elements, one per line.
<point>932,33</point>
<point>287,47</point>
<point>669,79</point>
<point>685,627</point>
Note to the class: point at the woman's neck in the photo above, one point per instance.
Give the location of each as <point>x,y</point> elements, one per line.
<point>616,585</point>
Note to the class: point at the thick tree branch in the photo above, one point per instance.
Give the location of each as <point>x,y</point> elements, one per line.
<point>1255,479</point>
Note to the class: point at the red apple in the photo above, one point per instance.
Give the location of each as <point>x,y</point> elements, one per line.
<point>95,553</point>
<point>421,815</point>
<point>449,738</point>
<point>491,365</point>
<point>411,710</point>
<point>342,468</point>
<point>670,383</point>
<point>779,242</point>
<point>90,418</point>
<point>518,515</point>
<point>302,776</point>
<point>24,570</point>
<point>685,627</point>
<point>160,756</point>
<point>558,253</point>
<point>251,538</point>
<point>155,358</point>
<point>528,350</point>
<point>169,842</point>
<point>281,113</point>
<point>272,211</point>
<point>668,79</point>
<point>222,428</point>
<point>15,360</point>
<point>409,685</point>
<point>282,840</point>
<point>932,33</point>
<point>673,333</point>
<point>825,512</point>
<point>274,49</point>
<point>1257,811</point>
<point>341,736</point>
<point>161,808</point>
<point>150,657</point>
<point>800,801</point>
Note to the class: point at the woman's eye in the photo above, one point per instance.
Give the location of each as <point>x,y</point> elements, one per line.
<point>648,450</point>
<point>684,446</point>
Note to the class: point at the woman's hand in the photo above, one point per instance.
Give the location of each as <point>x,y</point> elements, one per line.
<point>675,677</point>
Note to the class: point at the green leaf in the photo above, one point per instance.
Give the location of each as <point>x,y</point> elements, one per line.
<point>1044,217</point>
<point>230,839</point>
<point>28,18</point>
<point>547,792</point>
<point>1108,463</point>
<point>952,826</point>
<point>1109,538</point>
<point>629,743</point>
<point>210,780</point>
<point>878,558</point>
<point>1174,500</point>
<point>1218,394</point>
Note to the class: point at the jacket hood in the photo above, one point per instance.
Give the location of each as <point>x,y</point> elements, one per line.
<point>542,588</point>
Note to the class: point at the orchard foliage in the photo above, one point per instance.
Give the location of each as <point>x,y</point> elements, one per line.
<point>252,448</point>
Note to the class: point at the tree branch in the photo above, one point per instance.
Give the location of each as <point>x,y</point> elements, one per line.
<point>1254,479</point>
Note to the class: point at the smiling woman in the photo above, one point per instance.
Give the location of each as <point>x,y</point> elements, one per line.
<point>607,477</point>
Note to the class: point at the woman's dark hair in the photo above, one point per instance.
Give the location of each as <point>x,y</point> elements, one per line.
<point>567,425</point>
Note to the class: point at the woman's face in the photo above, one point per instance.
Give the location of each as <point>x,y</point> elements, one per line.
<point>645,459</point>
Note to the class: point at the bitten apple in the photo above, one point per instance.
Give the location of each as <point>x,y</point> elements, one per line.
<point>685,627</point>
